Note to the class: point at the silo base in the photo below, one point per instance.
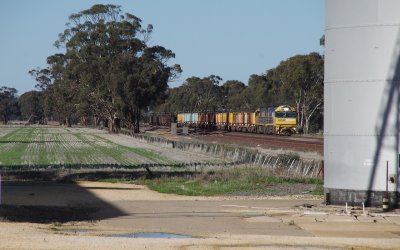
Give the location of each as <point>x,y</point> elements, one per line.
<point>357,197</point>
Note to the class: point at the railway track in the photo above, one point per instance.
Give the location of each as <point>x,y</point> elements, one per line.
<point>250,139</point>
<point>298,143</point>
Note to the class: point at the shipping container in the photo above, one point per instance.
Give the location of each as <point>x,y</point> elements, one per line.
<point>180,118</point>
<point>231,118</point>
<point>240,118</point>
<point>248,118</point>
<point>253,118</point>
<point>209,118</point>
<point>202,119</point>
<point>195,118</point>
<point>221,118</point>
<point>187,118</point>
<point>164,120</point>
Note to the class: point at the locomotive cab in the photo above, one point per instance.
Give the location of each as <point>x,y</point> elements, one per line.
<point>285,120</point>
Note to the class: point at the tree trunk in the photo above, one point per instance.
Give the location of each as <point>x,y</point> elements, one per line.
<point>84,121</point>
<point>308,113</point>
<point>298,103</point>
<point>5,120</point>
<point>113,125</point>
<point>68,122</point>
<point>137,127</point>
<point>137,121</point>
<point>95,121</point>
<point>110,126</point>
<point>306,125</point>
<point>116,125</point>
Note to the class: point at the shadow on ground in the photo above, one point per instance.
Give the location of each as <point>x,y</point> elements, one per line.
<point>55,196</point>
<point>46,214</point>
<point>48,201</point>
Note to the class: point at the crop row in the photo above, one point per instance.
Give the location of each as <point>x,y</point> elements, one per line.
<point>58,146</point>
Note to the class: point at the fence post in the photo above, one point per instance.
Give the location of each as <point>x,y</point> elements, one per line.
<point>0,189</point>
<point>322,170</point>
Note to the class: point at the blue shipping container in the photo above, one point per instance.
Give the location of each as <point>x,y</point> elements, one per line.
<point>188,118</point>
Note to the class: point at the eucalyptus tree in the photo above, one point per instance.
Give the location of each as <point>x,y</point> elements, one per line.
<point>109,70</point>
<point>8,103</point>
<point>142,81</point>
<point>30,105</point>
<point>262,91</point>
<point>195,94</point>
<point>302,78</point>
<point>202,94</point>
<point>59,96</point>
<point>232,96</point>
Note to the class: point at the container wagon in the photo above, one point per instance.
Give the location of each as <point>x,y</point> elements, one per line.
<point>160,119</point>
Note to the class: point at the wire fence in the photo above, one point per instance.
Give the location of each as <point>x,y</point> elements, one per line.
<point>293,164</point>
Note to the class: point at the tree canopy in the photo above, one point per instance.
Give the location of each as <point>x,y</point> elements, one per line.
<point>31,106</point>
<point>8,103</point>
<point>107,70</point>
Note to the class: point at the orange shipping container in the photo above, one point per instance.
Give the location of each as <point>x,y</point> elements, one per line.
<point>240,118</point>
<point>180,117</point>
<point>221,118</point>
<point>218,118</point>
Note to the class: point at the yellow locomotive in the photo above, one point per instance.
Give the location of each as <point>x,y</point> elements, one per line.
<point>279,120</point>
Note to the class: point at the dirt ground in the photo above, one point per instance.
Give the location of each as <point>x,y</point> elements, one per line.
<point>121,210</point>
<point>95,215</point>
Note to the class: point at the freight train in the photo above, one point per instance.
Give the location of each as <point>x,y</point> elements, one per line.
<point>280,120</point>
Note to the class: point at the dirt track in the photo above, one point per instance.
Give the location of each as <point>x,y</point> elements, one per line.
<point>213,223</point>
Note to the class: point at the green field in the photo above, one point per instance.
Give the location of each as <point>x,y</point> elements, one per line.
<point>61,146</point>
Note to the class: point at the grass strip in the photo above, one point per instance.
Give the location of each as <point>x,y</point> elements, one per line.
<point>226,183</point>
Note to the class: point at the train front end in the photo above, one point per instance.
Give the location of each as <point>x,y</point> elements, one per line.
<point>285,120</point>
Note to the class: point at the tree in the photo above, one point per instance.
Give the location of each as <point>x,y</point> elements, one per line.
<point>196,94</point>
<point>232,95</point>
<point>108,70</point>
<point>30,105</point>
<point>8,103</point>
<point>302,77</point>
<point>141,82</point>
<point>263,91</point>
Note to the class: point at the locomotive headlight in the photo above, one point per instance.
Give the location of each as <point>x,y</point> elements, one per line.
<point>286,109</point>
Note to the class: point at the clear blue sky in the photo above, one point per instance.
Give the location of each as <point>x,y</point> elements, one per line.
<point>229,38</point>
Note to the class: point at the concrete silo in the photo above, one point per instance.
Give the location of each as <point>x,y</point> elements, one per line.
<point>362,88</point>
